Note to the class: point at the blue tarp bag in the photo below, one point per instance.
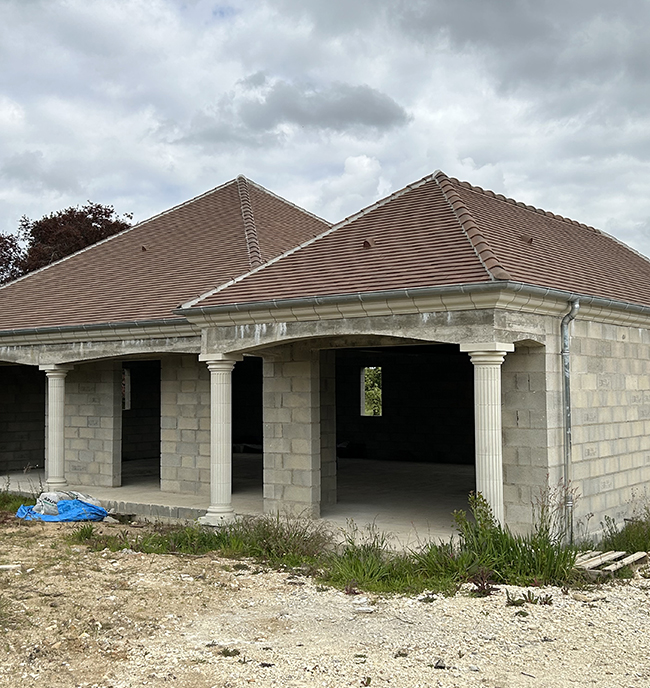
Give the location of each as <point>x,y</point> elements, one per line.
<point>69,510</point>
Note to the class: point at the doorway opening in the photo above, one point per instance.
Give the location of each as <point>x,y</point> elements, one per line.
<point>247,427</point>
<point>140,421</point>
<point>412,459</point>
<point>22,418</point>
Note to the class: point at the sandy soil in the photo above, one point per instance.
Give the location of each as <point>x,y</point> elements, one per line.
<point>73,618</point>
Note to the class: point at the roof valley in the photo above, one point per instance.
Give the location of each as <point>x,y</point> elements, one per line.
<point>479,243</point>
<point>250,229</point>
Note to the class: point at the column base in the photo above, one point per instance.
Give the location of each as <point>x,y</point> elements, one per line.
<point>217,516</point>
<point>56,484</point>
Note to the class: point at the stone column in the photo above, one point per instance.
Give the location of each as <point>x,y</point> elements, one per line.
<point>55,464</point>
<point>220,368</point>
<point>487,359</point>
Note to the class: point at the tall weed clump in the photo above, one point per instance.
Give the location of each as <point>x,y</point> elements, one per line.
<point>540,557</point>
<point>634,536</point>
<point>483,550</point>
<point>365,559</point>
<point>277,539</point>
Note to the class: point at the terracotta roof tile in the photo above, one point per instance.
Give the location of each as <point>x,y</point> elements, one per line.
<point>148,270</point>
<point>416,238</point>
<point>443,232</point>
<point>545,249</point>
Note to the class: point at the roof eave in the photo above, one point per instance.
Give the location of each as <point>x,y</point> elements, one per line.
<point>556,299</point>
<point>111,330</point>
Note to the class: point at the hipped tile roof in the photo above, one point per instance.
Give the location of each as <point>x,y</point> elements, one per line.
<point>443,232</point>
<point>145,272</point>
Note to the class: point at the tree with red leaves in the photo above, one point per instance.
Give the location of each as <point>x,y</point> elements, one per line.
<point>55,236</point>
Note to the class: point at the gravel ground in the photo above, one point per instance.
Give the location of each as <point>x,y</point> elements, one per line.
<point>73,618</point>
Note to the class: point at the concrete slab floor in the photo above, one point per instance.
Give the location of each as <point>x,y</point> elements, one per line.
<point>411,501</point>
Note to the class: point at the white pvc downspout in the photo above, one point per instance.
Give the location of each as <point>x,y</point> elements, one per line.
<point>566,374</point>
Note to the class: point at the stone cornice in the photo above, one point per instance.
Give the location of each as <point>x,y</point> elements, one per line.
<point>101,332</point>
<point>511,296</point>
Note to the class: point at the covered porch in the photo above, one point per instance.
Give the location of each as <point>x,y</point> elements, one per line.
<point>199,410</point>
<point>396,499</point>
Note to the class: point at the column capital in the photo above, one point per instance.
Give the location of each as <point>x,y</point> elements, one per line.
<point>220,358</point>
<point>471,347</point>
<point>54,367</point>
<point>487,358</point>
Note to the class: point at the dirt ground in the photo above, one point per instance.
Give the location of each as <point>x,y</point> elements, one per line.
<point>72,618</point>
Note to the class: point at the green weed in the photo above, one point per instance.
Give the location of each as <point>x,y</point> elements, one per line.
<point>278,540</point>
<point>483,552</point>
<point>634,536</point>
<point>10,501</point>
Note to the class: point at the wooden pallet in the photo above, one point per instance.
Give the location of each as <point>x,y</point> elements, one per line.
<point>596,564</point>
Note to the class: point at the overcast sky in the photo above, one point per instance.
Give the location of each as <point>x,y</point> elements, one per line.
<point>332,104</point>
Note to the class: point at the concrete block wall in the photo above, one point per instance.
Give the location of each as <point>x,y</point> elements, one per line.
<point>22,418</point>
<point>610,379</point>
<point>328,426</point>
<point>185,425</point>
<point>292,431</point>
<point>93,424</point>
<point>525,399</point>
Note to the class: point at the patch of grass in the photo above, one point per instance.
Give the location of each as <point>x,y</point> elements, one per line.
<point>10,501</point>
<point>540,557</point>
<point>82,533</point>
<point>483,552</point>
<point>366,561</point>
<point>277,540</point>
<point>634,536</point>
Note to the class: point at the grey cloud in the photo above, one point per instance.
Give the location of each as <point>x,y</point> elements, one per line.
<point>569,57</point>
<point>29,169</point>
<point>335,17</point>
<point>253,80</point>
<point>249,116</point>
<point>338,107</point>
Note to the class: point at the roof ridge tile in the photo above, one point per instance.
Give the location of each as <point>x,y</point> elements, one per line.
<point>473,233</point>
<point>346,221</point>
<point>521,204</point>
<point>548,213</point>
<point>250,229</point>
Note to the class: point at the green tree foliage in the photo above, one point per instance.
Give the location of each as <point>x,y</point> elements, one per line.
<point>55,236</point>
<point>372,388</point>
<point>11,255</point>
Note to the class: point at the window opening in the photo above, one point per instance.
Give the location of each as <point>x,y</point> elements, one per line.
<point>126,389</point>
<point>371,401</point>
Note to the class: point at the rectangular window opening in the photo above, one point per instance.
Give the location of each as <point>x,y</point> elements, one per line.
<point>126,389</point>
<point>371,401</point>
